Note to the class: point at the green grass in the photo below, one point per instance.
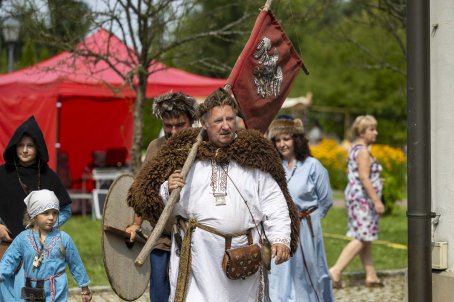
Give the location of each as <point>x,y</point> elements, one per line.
<point>392,229</point>
<point>338,195</point>
<point>86,234</point>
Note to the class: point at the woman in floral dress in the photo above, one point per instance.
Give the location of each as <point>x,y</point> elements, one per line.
<point>363,198</point>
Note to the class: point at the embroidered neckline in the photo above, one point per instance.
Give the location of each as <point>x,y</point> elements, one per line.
<point>38,259</point>
<point>219,177</point>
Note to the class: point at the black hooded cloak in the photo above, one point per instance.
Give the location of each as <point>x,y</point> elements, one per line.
<point>12,206</point>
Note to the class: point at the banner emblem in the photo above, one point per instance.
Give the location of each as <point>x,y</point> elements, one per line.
<point>268,75</point>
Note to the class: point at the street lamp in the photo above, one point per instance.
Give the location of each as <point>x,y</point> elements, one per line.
<point>11,29</point>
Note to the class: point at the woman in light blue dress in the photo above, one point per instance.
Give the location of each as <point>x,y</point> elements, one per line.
<point>45,251</point>
<point>305,276</point>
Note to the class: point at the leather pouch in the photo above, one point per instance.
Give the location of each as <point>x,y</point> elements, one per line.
<point>242,262</point>
<point>3,247</point>
<point>30,293</point>
<point>266,254</point>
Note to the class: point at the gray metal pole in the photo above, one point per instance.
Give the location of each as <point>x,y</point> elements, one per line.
<point>10,56</point>
<point>418,141</point>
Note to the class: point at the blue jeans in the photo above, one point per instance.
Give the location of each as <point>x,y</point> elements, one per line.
<point>159,276</point>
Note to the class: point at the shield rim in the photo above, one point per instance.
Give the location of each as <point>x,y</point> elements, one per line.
<point>108,273</point>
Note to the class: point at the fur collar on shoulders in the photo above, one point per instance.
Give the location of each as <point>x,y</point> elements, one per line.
<point>250,149</point>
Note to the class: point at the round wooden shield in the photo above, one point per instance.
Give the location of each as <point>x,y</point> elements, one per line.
<point>128,280</point>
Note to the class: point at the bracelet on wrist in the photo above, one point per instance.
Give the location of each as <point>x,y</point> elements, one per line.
<point>86,293</point>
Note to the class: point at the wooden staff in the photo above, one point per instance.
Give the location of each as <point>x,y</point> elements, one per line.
<point>267,5</point>
<point>175,195</point>
<point>173,199</point>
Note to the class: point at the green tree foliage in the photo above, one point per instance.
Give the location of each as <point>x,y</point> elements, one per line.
<point>28,54</point>
<point>44,54</point>
<point>69,20</point>
<point>354,50</point>
<point>48,27</point>
<point>3,60</point>
<point>152,126</point>
<point>215,55</point>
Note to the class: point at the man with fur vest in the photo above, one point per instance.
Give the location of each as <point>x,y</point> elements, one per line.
<point>177,111</point>
<point>234,192</point>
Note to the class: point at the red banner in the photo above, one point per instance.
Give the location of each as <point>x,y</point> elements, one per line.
<point>264,72</point>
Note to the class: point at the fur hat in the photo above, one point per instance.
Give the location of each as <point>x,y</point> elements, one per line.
<point>219,97</point>
<point>40,201</point>
<point>285,126</point>
<point>177,101</point>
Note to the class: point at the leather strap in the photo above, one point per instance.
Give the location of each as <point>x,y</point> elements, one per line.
<point>228,239</point>
<point>306,214</point>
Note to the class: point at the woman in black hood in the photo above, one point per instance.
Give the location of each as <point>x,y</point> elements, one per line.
<point>26,170</point>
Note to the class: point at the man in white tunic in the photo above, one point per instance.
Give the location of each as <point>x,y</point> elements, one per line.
<point>235,184</point>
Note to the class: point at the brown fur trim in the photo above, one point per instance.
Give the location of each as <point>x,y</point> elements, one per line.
<point>250,149</point>
<point>285,126</point>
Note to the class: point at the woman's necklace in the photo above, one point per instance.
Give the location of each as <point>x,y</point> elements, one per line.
<point>39,253</point>
<point>293,171</point>
<point>24,186</point>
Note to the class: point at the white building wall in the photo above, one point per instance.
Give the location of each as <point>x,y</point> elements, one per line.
<point>442,121</point>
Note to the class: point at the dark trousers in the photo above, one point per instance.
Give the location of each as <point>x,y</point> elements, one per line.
<point>159,276</point>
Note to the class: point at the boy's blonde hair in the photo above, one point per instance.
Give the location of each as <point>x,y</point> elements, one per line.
<point>27,221</point>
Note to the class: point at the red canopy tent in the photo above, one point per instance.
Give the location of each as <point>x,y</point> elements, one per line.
<point>81,104</point>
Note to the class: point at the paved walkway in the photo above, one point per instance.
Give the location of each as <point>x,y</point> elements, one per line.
<point>354,291</point>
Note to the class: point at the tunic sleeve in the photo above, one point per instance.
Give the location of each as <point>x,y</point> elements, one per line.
<point>76,267</point>
<point>63,216</point>
<point>12,258</point>
<point>323,189</point>
<point>59,189</point>
<point>164,191</point>
<point>275,210</point>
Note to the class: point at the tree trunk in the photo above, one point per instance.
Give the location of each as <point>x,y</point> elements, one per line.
<point>138,122</point>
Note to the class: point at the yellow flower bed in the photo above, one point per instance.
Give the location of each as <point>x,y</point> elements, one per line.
<point>389,157</point>
<point>334,158</point>
<point>330,154</point>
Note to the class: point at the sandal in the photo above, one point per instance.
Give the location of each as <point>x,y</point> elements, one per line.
<point>375,284</point>
<point>337,284</point>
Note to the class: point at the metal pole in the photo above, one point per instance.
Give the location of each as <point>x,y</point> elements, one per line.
<point>418,140</point>
<point>10,56</point>
<point>57,141</point>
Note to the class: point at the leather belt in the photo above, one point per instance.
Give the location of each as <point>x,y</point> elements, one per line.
<point>306,214</point>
